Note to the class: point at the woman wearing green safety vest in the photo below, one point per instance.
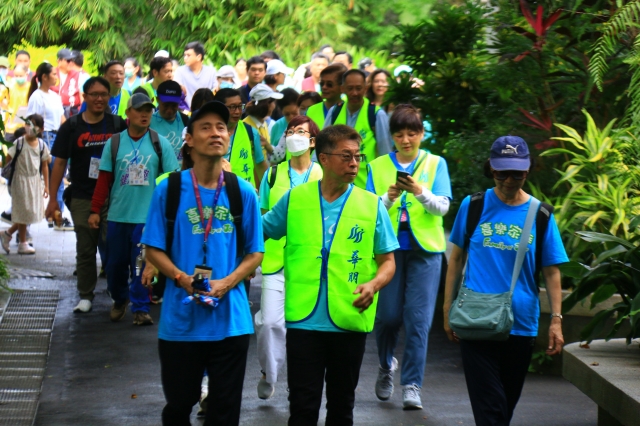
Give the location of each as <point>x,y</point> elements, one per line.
<point>339,254</point>
<point>414,186</point>
<point>300,139</point>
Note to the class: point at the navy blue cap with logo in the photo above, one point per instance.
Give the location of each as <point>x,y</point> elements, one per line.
<point>170,91</point>
<point>510,153</point>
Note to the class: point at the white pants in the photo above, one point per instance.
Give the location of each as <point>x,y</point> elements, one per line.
<point>270,329</point>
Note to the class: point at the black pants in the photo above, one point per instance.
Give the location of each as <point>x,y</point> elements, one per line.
<point>314,357</point>
<point>495,373</point>
<point>183,365</point>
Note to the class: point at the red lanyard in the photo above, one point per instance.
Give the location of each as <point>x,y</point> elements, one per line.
<point>207,226</point>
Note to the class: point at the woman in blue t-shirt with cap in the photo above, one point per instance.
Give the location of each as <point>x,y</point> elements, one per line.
<point>495,370</point>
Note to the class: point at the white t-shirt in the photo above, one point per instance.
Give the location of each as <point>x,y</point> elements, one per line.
<point>49,106</point>
<point>206,78</point>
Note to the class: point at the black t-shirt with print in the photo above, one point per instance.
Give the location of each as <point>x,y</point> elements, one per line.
<point>79,143</point>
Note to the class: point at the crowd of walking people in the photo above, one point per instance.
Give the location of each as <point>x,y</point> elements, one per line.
<point>189,179</point>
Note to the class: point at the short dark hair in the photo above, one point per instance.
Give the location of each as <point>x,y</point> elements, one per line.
<point>158,63</point>
<point>201,97</point>
<point>78,58</point>
<point>270,79</point>
<point>197,47</point>
<point>301,119</point>
<point>324,46</point>
<point>110,64</point>
<point>22,52</point>
<point>269,54</point>
<point>337,68</point>
<point>351,72</point>
<point>344,52</point>
<point>254,60</point>
<point>289,97</point>
<point>314,96</point>
<point>223,94</point>
<point>259,111</point>
<point>406,117</point>
<point>95,80</point>
<point>319,55</point>
<point>328,138</point>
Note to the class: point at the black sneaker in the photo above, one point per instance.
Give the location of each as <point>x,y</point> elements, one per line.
<point>6,217</point>
<point>66,225</point>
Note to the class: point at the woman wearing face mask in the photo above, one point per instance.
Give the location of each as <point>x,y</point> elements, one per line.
<point>270,330</point>
<point>31,159</point>
<point>132,75</point>
<point>415,188</point>
<point>227,78</point>
<point>18,91</point>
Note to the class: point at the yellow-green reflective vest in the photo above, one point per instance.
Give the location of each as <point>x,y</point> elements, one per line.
<point>151,92</point>
<point>426,228</point>
<point>124,100</point>
<point>273,260</point>
<point>241,156</point>
<point>347,262</point>
<point>316,113</point>
<point>368,145</point>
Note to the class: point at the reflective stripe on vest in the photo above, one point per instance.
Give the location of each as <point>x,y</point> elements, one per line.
<point>241,157</point>
<point>347,262</point>
<point>122,106</point>
<point>316,113</point>
<point>427,229</point>
<point>273,261</point>
<point>368,145</point>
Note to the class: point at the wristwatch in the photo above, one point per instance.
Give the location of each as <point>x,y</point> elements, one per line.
<point>556,315</point>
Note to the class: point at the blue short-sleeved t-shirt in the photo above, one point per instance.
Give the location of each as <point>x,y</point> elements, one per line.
<point>195,322</point>
<point>171,130</point>
<point>258,156</point>
<point>441,187</point>
<point>275,226</point>
<point>129,203</point>
<point>492,254</point>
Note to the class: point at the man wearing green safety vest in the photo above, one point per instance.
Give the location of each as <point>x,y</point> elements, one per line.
<point>371,122</point>
<point>338,256</point>
<point>245,151</point>
<point>114,74</point>
<point>330,82</point>
<point>161,70</point>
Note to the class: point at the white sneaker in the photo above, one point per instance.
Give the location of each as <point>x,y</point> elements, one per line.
<point>24,248</point>
<point>5,239</point>
<point>384,383</point>
<point>265,389</point>
<point>411,398</point>
<point>204,393</point>
<point>83,307</point>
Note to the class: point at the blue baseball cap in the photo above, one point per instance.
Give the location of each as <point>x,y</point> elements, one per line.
<point>510,153</point>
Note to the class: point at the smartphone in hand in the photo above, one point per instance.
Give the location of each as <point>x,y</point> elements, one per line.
<point>400,174</point>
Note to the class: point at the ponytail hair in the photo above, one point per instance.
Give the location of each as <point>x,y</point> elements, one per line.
<point>43,69</point>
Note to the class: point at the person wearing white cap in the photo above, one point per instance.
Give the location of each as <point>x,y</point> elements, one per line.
<point>162,54</point>
<point>261,107</point>
<point>276,74</point>
<point>228,78</point>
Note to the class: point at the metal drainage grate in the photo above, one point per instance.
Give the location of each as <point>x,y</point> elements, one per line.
<point>25,335</point>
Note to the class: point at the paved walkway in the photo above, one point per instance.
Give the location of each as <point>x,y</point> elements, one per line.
<point>101,373</point>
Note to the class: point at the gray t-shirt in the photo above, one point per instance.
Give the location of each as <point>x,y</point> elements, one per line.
<point>206,78</point>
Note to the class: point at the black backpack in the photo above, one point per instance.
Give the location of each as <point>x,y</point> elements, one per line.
<point>476,206</point>
<point>371,115</point>
<point>171,211</point>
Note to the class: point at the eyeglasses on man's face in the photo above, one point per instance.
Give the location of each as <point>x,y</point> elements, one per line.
<point>236,107</point>
<point>347,157</point>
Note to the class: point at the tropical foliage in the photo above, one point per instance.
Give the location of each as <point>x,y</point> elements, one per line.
<point>615,268</point>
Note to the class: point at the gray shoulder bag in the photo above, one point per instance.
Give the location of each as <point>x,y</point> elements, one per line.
<point>489,316</point>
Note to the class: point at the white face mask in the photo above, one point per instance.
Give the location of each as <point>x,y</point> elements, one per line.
<point>297,145</point>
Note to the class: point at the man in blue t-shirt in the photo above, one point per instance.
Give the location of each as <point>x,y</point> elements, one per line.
<point>167,120</point>
<point>129,185</point>
<point>194,337</point>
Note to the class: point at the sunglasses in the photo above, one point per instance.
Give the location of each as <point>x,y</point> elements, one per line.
<point>505,174</point>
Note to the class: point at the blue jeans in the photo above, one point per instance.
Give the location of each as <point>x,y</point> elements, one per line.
<point>49,138</point>
<point>409,298</point>
<point>122,250</point>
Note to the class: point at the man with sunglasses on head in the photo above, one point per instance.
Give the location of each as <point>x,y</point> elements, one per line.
<point>80,141</point>
<point>245,151</point>
<point>339,254</point>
